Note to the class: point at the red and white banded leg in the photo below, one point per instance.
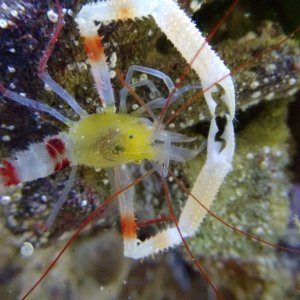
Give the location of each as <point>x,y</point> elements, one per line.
<point>99,67</point>
<point>54,153</point>
<point>39,160</point>
<point>126,208</point>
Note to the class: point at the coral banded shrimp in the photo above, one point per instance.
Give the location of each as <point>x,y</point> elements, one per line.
<point>123,138</point>
<point>55,145</point>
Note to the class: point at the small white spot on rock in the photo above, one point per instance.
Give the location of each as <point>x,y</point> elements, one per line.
<point>6,138</point>
<point>113,60</point>
<point>44,198</point>
<point>256,95</point>
<point>270,68</point>
<point>11,69</point>
<point>82,66</point>
<point>177,81</point>
<point>143,76</point>
<point>83,203</point>
<point>134,106</point>
<point>112,74</point>
<point>259,231</point>
<point>47,87</point>
<point>14,13</point>
<point>4,6</point>
<point>201,116</point>
<point>292,91</point>
<point>171,179</point>
<point>190,122</point>
<point>3,23</point>
<point>292,81</point>
<point>4,200</point>
<point>26,249</point>
<point>270,96</point>
<point>99,109</point>
<point>263,165</point>
<point>266,149</point>
<point>239,192</point>
<point>254,85</point>
<point>105,181</point>
<point>195,5</point>
<point>21,7</point>
<point>250,156</point>
<point>52,16</point>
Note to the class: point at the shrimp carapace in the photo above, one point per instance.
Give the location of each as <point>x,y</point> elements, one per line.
<point>109,139</point>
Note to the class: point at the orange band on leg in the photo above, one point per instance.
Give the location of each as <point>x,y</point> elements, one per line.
<point>93,48</point>
<point>129,227</point>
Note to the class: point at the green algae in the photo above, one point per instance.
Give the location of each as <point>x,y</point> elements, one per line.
<point>254,195</point>
<point>253,198</point>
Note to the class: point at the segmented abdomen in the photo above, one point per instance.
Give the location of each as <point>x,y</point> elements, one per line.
<point>39,160</point>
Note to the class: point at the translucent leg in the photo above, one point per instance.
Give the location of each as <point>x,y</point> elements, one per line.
<point>169,83</point>
<point>124,92</point>
<point>46,78</point>
<point>160,102</point>
<point>49,81</point>
<point>34,104</point>
<point>62,198</point>
<point>63,94</point>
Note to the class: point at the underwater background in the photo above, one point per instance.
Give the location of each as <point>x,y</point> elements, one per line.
<point>260,196</point>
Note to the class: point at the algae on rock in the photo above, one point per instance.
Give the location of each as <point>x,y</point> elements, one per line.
<point>253,198</point>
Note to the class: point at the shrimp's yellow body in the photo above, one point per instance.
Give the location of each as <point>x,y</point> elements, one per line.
<point>108,139</point>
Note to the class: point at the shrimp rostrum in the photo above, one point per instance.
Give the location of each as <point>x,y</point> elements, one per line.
<point>112,138</point>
